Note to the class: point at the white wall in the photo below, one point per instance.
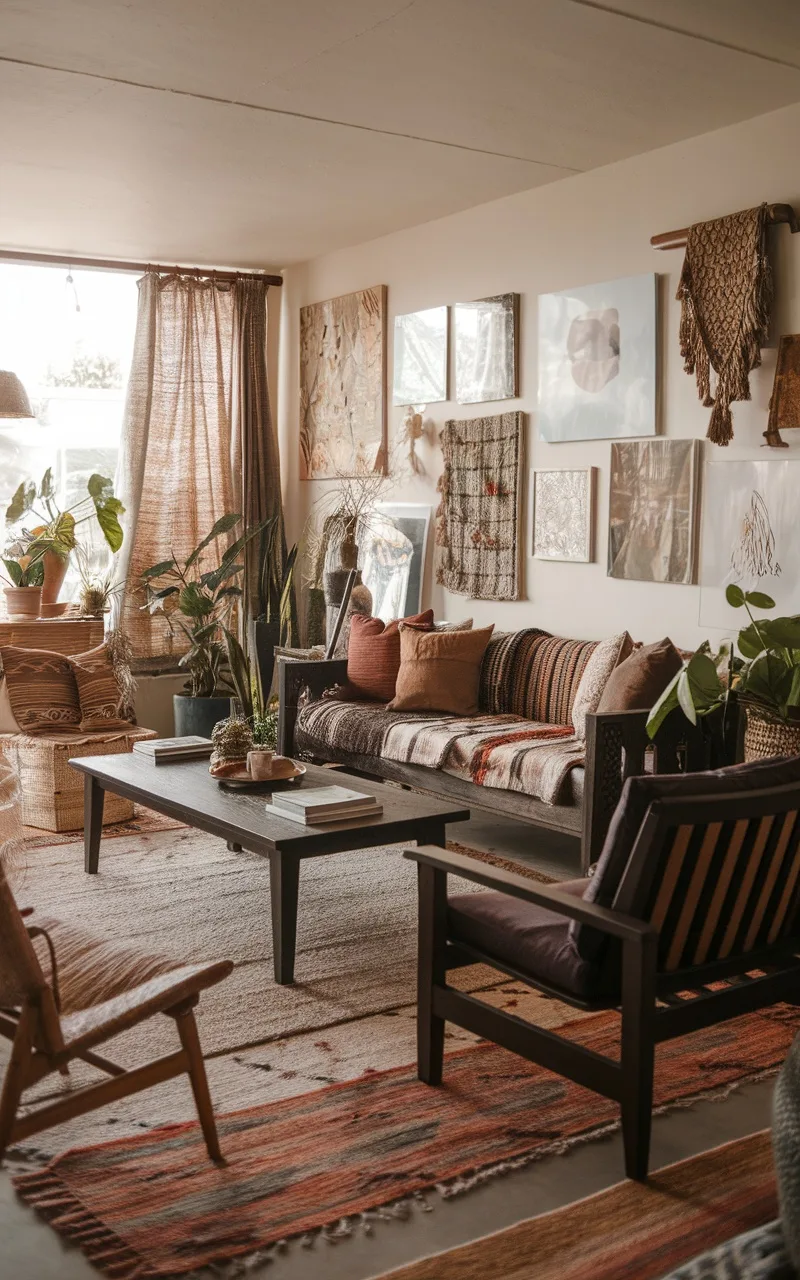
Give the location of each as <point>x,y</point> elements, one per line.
<point>590,228</point>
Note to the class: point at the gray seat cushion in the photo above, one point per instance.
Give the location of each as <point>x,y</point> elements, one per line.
<point>531,939</point>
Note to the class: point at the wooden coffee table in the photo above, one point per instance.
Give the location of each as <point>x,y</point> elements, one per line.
<point>185,790</point>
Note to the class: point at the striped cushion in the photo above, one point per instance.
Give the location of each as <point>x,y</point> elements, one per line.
<point>533,674</point>
<point>41,689</point>
<point>373,655</point>
<point>99,690</point>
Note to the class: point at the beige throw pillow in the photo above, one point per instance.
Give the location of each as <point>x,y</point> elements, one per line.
<point>440,670</point>
<point>608,655</point>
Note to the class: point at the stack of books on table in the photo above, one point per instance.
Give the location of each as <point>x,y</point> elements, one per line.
<point>315,806</point>
<point>160,750</point>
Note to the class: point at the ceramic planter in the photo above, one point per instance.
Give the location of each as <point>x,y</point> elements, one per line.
<point>23,602</point>
<point>198,715</point>
<point>55,571</point>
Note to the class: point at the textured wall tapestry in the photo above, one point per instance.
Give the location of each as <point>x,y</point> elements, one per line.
<point>651,510</point>
<point>597,361</point>
<point>486,349</point>
<point>725,292</point>
<point>343,385</point>
<point>749,537</point>
<point>420,357</point>
<point>563,514</point>
<point>477,521</point>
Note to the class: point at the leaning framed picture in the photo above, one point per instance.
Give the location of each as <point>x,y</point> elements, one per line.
<point>597,361</point>
<point>562,514</point>
<point>393,544</point>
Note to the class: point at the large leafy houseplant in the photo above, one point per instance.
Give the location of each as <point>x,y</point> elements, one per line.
<point>762,670</point>
<point>56,531</point>
<point>200,602</point>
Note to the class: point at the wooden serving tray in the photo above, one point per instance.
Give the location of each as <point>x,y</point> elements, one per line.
<point>285,772</point>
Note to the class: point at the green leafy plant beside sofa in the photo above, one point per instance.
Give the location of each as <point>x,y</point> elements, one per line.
<point>762,670</point>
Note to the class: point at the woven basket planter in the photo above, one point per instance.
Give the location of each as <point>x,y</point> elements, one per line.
<point>765,737</point>
<point>52,792</point>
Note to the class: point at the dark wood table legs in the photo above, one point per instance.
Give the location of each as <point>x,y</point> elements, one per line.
<point>93,801</point>
<point>284,882</point>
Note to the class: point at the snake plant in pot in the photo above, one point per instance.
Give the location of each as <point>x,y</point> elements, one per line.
<point>761,672</point>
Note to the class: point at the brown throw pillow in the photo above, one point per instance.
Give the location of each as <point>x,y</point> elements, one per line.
<point>104,697</point>
<point>440,670</point>
<point>638,682</point>
<point>41,690</point>
<point>373,656</point>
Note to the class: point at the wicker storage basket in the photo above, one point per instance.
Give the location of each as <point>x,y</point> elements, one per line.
<point>765,737</point>
<point>52,792</point>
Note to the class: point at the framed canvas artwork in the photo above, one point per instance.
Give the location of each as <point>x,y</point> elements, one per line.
<point>597,361</point>
<point>343,385</point>
<point>652,510</point>
<point>393,543</point>
<point>420,357</point>
<point>563,514</point>
<point>486,349</point>
<point>749,537</point>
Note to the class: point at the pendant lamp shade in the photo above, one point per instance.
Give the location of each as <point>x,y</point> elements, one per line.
<point>14,402</point>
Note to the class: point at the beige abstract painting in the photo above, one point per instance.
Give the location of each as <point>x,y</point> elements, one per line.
<point>652,510</point>
<point>343,385</point>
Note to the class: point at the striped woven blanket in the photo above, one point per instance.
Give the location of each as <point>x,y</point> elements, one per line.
<point>503,751</point>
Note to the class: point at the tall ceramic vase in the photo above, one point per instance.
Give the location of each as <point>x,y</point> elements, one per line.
<point>55,571</point>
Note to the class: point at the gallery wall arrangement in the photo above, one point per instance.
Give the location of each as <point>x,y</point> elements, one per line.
<point>343,385</point>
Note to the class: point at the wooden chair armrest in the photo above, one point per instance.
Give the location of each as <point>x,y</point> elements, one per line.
<point>295,675</point>
<point>614,923</point>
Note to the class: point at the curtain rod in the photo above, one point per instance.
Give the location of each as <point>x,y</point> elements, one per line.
<point>111,264</point>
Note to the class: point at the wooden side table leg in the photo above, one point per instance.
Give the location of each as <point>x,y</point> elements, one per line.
<point>284,883</point>
<point>93,801</point>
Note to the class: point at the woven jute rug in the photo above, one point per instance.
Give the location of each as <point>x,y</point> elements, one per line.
<point>328,1161</point>
<point>184,894</point>
<point>143,820</point>
<point>632,1231</point>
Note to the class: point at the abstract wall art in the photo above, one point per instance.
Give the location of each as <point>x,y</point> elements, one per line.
<point>597,361</point>
<point>478,518</point>
<point>652,510</point>
<point>393,543</point>
<point>749,537</point>
<point>563,514</point>
<point>420,357</point>
<point>486,349</point>
<point>343,385</point>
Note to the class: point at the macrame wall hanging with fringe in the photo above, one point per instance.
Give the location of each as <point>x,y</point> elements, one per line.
<point>725,293</point>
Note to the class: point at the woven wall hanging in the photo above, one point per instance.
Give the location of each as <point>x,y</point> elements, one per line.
<point>477,521</point>
<point>725,293</point>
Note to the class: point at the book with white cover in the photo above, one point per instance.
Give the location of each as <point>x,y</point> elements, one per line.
<point>325,818</point>
<point>158,749</point>
<point>313,799</point>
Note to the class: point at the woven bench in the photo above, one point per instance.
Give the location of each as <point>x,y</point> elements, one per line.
<point>52,792</point>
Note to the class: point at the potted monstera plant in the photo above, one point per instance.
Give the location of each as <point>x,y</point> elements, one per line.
<point>761,671</point>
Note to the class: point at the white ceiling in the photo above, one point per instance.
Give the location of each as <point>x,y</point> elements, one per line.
<point>263,132</point>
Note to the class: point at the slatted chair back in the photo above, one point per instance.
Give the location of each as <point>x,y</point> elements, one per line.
<point>718,877</point>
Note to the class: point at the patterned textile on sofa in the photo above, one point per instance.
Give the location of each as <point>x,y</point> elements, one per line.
<point>502,751</point>
<point>533,674</point>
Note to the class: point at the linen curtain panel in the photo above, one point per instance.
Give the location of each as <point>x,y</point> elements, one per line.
<point>197,438</point>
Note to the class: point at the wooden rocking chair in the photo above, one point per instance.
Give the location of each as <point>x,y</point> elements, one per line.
<point>44,1040</point>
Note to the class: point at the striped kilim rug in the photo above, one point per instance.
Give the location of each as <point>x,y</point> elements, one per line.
<point>155,1206</point>
<point>631,1231</point>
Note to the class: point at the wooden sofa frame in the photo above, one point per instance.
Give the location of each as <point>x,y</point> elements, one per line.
<point>616,745</point>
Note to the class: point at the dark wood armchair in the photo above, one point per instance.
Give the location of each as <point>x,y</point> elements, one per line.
<point>691,919</point>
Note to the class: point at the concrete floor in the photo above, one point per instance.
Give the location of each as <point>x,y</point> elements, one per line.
<point>29,1250</point>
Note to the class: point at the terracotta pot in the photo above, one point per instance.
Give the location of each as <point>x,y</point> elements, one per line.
<point>23,602</point>
<point>55,570</point>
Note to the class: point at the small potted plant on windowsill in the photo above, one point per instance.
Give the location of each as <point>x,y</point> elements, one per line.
<point>200,602</point>
<point>762,673</point>
<point>24,573</point>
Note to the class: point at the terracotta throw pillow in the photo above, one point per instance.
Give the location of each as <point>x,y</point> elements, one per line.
<point>440,670</point>
<point>638,682</point>
<point>41,690</point>
<point>104,687</point>
<point>373,656</point>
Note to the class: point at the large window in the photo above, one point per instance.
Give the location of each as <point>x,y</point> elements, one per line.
<point>68,335</point>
